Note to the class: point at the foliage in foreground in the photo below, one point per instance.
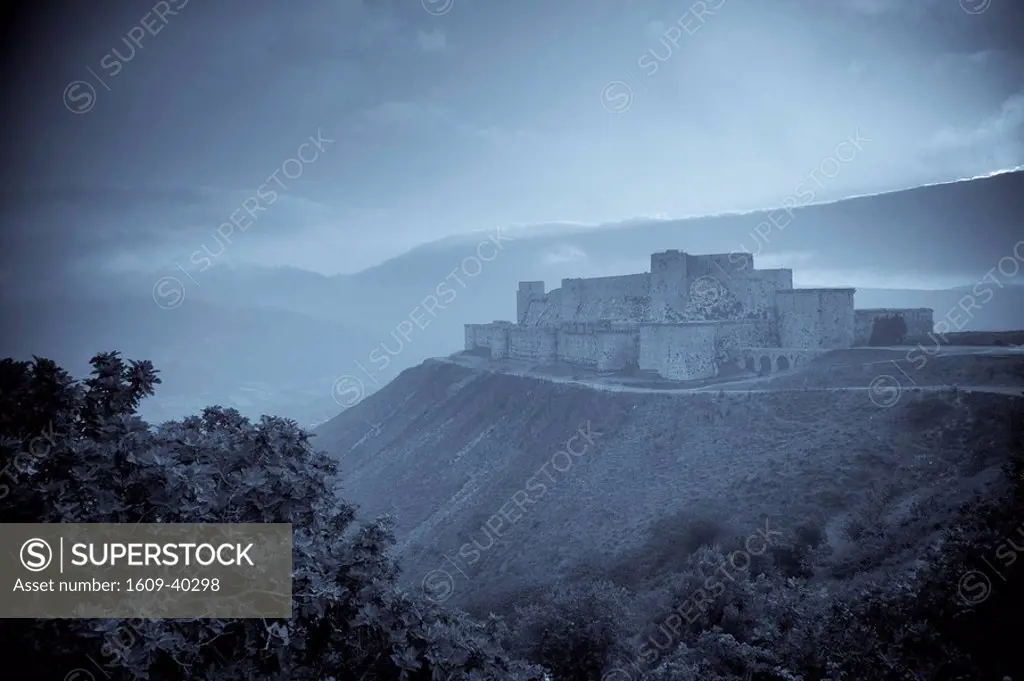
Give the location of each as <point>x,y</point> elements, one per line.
<point>780,617</point>
<point>77,452</point>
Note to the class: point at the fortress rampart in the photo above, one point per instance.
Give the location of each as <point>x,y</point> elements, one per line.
<point>685,319</point>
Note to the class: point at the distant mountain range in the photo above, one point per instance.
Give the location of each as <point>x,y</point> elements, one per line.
<point>273,340</point>
<point>260,361</point>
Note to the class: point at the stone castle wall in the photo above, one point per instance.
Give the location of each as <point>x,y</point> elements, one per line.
<point>920,321</point>
<point>756,290</point>
<point>597,346</point>
<point>578,348</point>
<point>679,352</point>
<point>529,291</point>
<point>732,336</point>
<point>545,310</point>
<point>696,349</point>
<point>815,319</point>
<point>681,284</point>
<point>617,350</point>
<point>536,344</point>
<point>686,317</point>
<point>619,299</point>
<point>677,289</point>
<point>497,339</point>
<point>493,337</point>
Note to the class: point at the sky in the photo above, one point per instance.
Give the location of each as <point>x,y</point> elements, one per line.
<point>339,133</point>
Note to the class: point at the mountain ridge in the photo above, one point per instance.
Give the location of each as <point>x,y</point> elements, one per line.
<point>959,230</point>
<point>502,484</point>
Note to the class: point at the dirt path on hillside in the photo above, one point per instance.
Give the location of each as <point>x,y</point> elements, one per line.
<point>746,385</point>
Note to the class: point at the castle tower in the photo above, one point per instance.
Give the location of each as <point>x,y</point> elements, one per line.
<point>668,283</point>
<point>815,318</point>
<point>528,290</point>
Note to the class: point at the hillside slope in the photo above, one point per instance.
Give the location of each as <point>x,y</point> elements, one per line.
<point>451,450</point>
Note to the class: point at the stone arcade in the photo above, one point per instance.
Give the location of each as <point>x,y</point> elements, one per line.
<point>684,320</point>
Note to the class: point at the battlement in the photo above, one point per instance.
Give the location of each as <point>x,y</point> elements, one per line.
<point>534,287</point>
<point>816,291</point>
<point>905,311</point>
<point>683,319</point>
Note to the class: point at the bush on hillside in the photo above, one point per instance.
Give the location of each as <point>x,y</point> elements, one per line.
<point>940,619</point>
<point>577,632</point>
<point>77,452</point>
<point>669,541</point>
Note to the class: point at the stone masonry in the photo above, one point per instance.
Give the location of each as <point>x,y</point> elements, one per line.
<point>687,318</point>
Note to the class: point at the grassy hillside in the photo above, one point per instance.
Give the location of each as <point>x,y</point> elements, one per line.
<point>450,450</point>
<point>904,369</point>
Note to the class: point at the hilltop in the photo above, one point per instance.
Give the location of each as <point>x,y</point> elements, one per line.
<point>326,324</point>
<point>449,448</point>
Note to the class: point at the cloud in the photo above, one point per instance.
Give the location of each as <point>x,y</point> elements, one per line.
<point>784,260</point>
<point>562,254</point>
<point>655,29</point>
<point>995,142</point>
<point>882,7</point>
<point>126,227</point>
<point>432,41</point>
<point>433,117</point>
<point>871,7</point>
<point>973,62</point>
<point>326,31</point>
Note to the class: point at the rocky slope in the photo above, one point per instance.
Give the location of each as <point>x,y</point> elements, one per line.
<point>502,483</point>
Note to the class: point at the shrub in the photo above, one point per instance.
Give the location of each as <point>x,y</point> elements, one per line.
<point>577,632</point>
<point>103,464</point>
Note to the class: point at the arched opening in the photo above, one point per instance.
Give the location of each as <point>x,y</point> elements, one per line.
<point>766,364</point>
<point>783,363</point>
<point>750,364</point>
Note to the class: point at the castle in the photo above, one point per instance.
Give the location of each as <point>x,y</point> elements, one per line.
<point>687,318</point>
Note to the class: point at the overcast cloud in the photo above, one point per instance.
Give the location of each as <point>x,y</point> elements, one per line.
<point>476,114</point>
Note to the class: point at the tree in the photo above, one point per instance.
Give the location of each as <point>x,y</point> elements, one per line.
<point>102,463</point>
<point>577,631</point>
